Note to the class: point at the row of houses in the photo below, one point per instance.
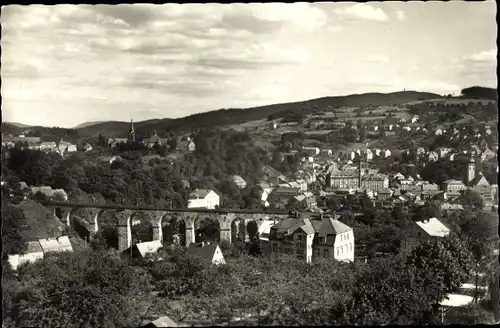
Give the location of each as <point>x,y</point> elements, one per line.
<point>36,250</point>
<point>48,144</point>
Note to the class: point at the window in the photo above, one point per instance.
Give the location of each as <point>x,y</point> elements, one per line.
<point>342,250</point>
<point>338,252</point>
<point>275,247</point>
<point>299,236</point>
<point>301,246</point>
<point>340,237</point>
<point>325,253</point>
<point>350,247</point>
<point>419,234</point>
<point>300,258</point>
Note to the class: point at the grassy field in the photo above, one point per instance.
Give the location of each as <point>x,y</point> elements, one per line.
<point>40,223</point>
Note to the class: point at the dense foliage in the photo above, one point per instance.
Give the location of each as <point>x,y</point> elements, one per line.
<point>218,156</point>
<point>480,92</point>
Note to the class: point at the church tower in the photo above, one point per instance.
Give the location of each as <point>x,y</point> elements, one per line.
<point>131,135</point>
<point>470,173</point>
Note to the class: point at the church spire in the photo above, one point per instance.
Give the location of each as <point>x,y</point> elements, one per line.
<point>132,131</point>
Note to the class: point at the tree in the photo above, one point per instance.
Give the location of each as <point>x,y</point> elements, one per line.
<point>443,265</point>
<point>13,225</point>
<point>79,290</point>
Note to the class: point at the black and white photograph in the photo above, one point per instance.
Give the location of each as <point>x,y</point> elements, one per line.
<point>249,164</point>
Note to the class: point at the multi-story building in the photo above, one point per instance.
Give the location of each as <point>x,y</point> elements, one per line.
<point>310,239</point>
<point>375,182</point>
<point>453,186</point>
<point>344,179</point>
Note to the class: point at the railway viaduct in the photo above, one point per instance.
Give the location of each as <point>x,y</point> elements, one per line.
<point>125,213</point>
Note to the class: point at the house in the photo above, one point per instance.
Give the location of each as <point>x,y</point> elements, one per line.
<point>239,181</point>
<point>432,156</point>
<point>398,176</point>
<point>33,253</point>
<point>377,152</point>
<point>386,153</point>
<point>311,239</point>
<point>60,194</point>
<point>384,194</point>
<point>144,248</point>
<point>414,119</point>
<point>48,146</point>
<point>186,144</point>
<point>161,322</point>
<point>153,140</point>
<point>55,245</point>
<point>369,155</point>
<point>311,151</point>
<point>326,152</point>
<point>113,142</point>
<point>274,125</point>
<point>208,251</point>
<point>453,186</point>
<point>203,198</point>
<point>302,184</point>
<point>263,232</point>
<point>44,190</point>
<point>282,195</point>
<point>305,200</point>
<point>87,147</point>
<point>438,132</point>
<point>422,231</point>
<point>488,154</point>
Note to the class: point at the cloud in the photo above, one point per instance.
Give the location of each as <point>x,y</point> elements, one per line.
<point>113,62</point>
<point>400,15</point>
<point>376,58</point>
<point>363,11</point>
<point>483,56</point>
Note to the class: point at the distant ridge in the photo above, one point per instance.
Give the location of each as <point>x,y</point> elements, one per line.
<point>85,124</point>
<point>18,125</point>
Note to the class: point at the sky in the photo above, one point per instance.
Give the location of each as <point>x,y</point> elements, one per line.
<point>68,64</point>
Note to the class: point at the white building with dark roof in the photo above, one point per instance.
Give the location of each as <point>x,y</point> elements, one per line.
<point>203,198</point>
<point>310,239</point>
<point>33,253</point>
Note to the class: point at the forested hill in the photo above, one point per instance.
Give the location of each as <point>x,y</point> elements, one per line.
<point>237,115</point>
<point>480,93</point>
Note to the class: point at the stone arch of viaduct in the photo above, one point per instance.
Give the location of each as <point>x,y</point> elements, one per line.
<point>156,216</point>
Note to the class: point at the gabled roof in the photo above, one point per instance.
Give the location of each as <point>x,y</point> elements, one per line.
<point>204,250</point>
<point>476,180</point>
<point>56,244</point>
<point>434,227</point>
<point>289,226</point>
<point>161,322</point>
<point>286,190</point>
<point>33,247</point>
<point>200,193</point>
<point>331,226</point>
<point>148,247</point>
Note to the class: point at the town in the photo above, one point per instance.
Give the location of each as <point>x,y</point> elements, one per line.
<point>365,209</point>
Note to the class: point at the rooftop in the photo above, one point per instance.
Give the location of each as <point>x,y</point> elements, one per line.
<point>434,227</point>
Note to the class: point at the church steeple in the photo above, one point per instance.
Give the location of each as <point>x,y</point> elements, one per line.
<point>131,136</point>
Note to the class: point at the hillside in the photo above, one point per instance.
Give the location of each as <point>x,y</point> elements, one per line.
<point>120,129</point>
<point>41,223</point>
<point>224,117</point>
<point>19,125</point>
<point>86,124</point>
